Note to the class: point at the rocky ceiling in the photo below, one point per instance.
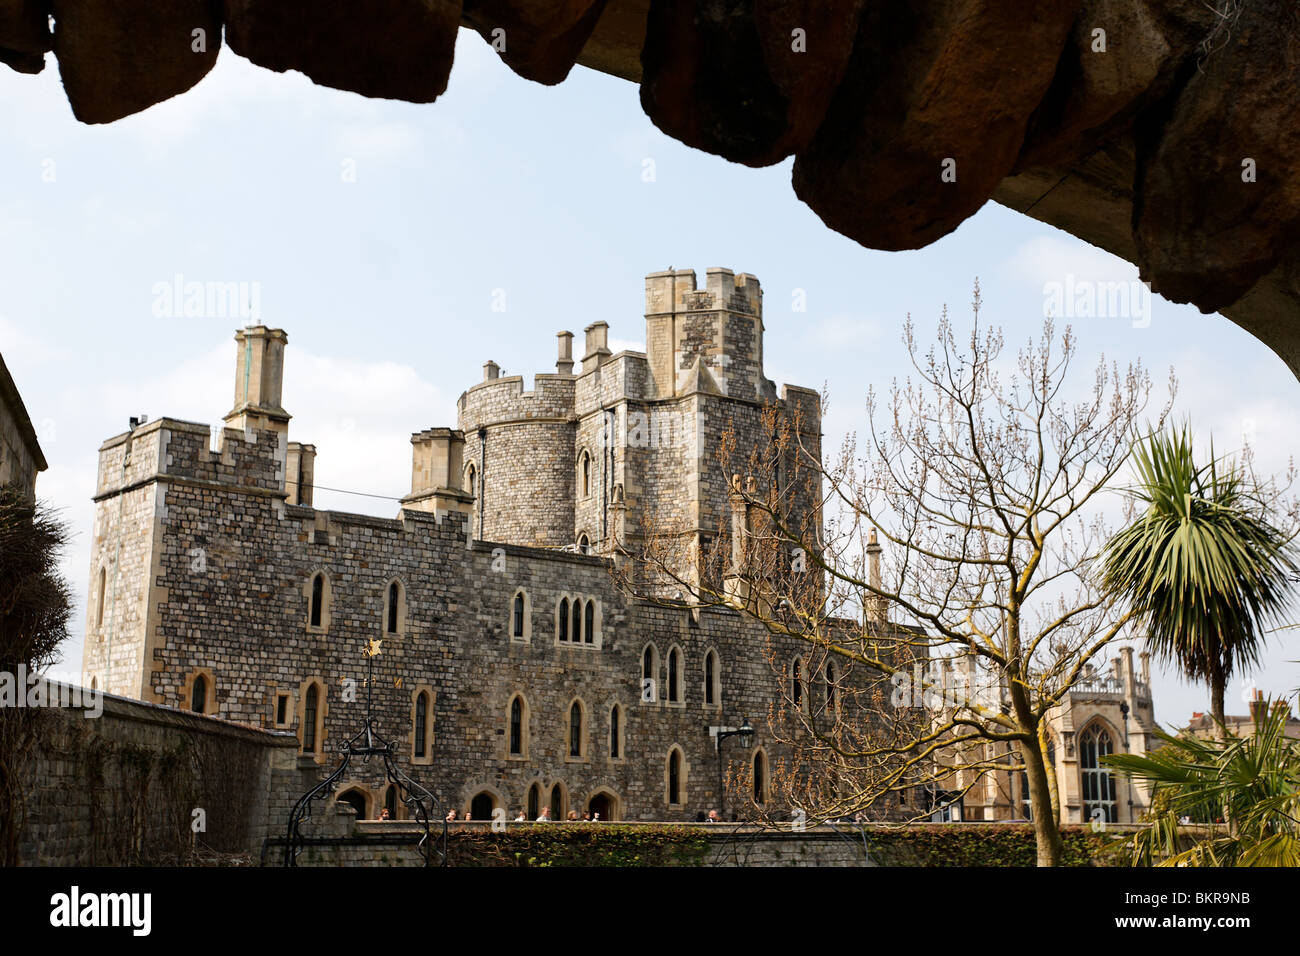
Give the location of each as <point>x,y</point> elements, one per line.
<point>1164,131</point>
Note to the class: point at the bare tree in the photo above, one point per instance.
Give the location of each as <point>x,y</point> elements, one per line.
<point>945,587</point>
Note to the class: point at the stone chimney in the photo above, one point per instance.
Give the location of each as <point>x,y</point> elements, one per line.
<point>1145,659</point>
<point>1126,672</point>
<point>564,363</point>
<point>259,379</point>
<point>437,459</point>
<point>300,473</point>
<point>597,345</point>
<point>1258,707</point>
<point>491,371</point>
<point>876,611</point>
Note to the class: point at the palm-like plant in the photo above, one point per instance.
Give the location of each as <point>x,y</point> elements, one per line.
<point>1253,782</point>
<point>1204,568</point>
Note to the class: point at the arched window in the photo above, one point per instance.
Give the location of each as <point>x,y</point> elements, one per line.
<point>471,481</point>
<point>481,807</point>
<point>534,802</point>
<point>830,687</point>
<point>575,729</point>
<point>562,619</point>
<point>615,745</point>
<point>796,682</point>
<point>103,586</point>
<point>199,695</point>
<point>518,726</point>
<point>674,676</point>
<point>517,628</point>
<point>355,798</point>
<point>675,778</point>
<point>589,623</point>
<point>712,679</point>
<point>760,777</point>
<point>318,612</point>
<point>390,801</point>
<point>1098,783</point>
<point>421,729</point>
<point>310,710</point>
<point>650,674</point>
<point>559,802</point>
<point>585,474</point>
<point>584,544</point>
<point>393,616</point>
<point>577,622</point>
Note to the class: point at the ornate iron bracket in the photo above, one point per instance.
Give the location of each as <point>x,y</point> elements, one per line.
<point>368,743</point>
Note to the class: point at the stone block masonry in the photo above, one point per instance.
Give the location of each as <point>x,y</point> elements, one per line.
<point>511,670</point>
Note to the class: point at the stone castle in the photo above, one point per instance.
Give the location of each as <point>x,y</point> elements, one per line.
<point>513,672</point>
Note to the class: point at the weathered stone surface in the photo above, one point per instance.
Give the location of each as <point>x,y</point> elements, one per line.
<point>541,40</point>
<point>929,82</point>
<point>749,80</point>
<point>1206,227</point>
<point>1121,55</point>
<point>119,58</point>
<point>396,49</point>
<point>24,34</point>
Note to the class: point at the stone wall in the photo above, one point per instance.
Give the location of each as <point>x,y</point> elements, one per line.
<point>122,788</point>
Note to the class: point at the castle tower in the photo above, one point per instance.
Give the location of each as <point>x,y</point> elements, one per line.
<point>715,333</point>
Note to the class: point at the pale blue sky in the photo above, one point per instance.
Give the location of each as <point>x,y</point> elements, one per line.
<point>385,285</point>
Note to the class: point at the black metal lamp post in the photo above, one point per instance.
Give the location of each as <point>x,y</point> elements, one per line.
<point>746,735</point>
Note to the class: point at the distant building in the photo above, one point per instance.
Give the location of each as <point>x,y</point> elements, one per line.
<point>1202,725</point>
<point>20,453</point>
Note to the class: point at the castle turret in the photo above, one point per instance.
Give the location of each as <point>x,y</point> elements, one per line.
<point>714,334</point>
<point>259,378</point>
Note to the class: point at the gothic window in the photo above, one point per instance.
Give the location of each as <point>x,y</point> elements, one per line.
<point>518,726</point>
<point>675,778</point>
<point>760,777</point>
<point>584,469</point>
<point>615,743</point>
<point>1098,782</point>
<point>575,729</point>
<point>559,802</point>
<point>830,688</point>
<point>319,602</point>
<point>471,480</point>
<point>712,680</point>
<point>562,619</point>
<point>199,695</point>
<point>534,802</point>
<point>517,626</point>
<point>796,683</point>
<point>421,729</point>
<point>577,622</point>
<point>103,585</point>
<point>650,674</point>
<point>394,608</point>
<point>390,801</point>
<point>584,544</point>
<point>674,676</point>
<point>310,728</point>
<point>589,623</point>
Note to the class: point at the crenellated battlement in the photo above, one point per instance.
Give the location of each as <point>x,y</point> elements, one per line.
<point>254,458</point>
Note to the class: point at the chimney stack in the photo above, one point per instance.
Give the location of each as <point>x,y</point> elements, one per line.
<point>300,473</point>
<point>259,379</point>
<point>597,345</point>
<point>876,604</point>
<point>564,364</point>
<point>437,460</point>
<point>491,371</point>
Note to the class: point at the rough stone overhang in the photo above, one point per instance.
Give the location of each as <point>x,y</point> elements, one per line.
<point>10,398</point>
<point>1163,131</point>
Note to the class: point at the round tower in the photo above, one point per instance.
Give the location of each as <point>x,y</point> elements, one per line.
<point>519,456</point>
